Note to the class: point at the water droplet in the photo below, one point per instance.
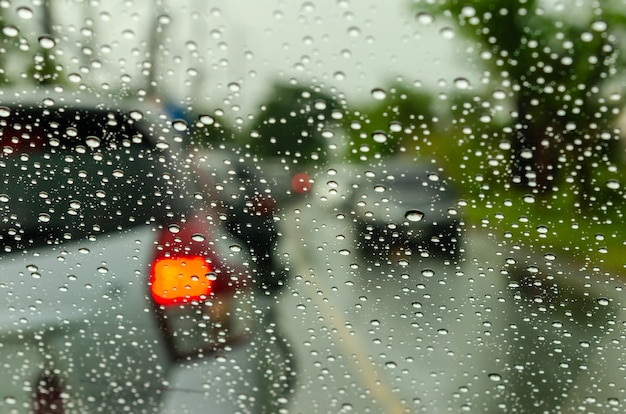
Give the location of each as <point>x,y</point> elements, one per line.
<point>10,31</point>
<point>24,13</point>
<point>495,377</point>
<point>414,215</point>
<point>379,136</point>
<point>613,184</point>
<point>462,83</point>
<point>529,198</point>
<point>74,77</point>
<point>391,364</point>
<point>179,125</point>
<point>542,229</point>
<point>92,142</point>
<point>44,217</point>
<point>10,400</point>
<point>118,173</point>
<point>379,94</point>
<point>46,42</point>
<point>207,119</point>
<point>198,237</point>
<point>344,252</point>
<point>375,322</point>
<point>174,228</point>
<point>235,248</point>
<point>103,269</point>
<point>136,115</point>
<point>599,26</point>
<point>447,33</point>
<point>433,177</point>
<point>4,198</point>
<point>526,154</point>
<point>354,31</point>
<point>380,189</point>
<point>603,301</point>
<point>424,18</point>
<point>395,126</point>
<point>428,273</point>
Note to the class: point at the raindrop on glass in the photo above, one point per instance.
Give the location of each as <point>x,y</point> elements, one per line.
<point>198,237</point>
<point>179,125</point>
<point>207,119</point>
<point>10,31</point>
<point>414,215</point>
<point>24,13</point>
<point>495,377</point>
<point>92,142</point>
<point>462,83</point>
<point>424,18</point>
<point>380,137</point>
<point>428,273</point>
<point>379,94</point>
<point>46,42</point>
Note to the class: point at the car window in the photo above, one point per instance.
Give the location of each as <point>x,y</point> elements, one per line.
<point>317,206</point>
<point>74,174</point>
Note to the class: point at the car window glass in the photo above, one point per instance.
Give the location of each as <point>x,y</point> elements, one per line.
<point>315,206</point>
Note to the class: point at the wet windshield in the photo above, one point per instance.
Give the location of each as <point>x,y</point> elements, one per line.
<point>317,206</point>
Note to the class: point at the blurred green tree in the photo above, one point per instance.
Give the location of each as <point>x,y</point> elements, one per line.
<point>398,121</point>
<point>292,124</point>
<point>558,65</point>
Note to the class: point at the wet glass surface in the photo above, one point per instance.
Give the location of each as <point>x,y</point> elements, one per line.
<point>317,206</point>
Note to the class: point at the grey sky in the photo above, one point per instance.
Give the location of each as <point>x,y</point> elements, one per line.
<point>225,54</point>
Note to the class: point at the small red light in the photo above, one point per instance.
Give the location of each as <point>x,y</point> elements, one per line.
<point>301,182</point>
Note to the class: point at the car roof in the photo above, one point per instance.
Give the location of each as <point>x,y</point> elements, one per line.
<point>149,113</point>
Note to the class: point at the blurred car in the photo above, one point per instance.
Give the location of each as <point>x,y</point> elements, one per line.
<point>123,290</point>
<point>406,204</point>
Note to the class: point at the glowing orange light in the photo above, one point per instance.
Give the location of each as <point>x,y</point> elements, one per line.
<point>180,280</point>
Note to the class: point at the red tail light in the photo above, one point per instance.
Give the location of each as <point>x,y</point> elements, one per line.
<point>186,268</point>
<point>180,279</point>
<point>198,290</point>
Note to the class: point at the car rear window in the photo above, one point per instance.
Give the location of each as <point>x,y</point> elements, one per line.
<point>71,173</point>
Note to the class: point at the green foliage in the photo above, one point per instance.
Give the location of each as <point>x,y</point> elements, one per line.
<point>292,124</point>
<point>399,121</point>
<point>558,65</point>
